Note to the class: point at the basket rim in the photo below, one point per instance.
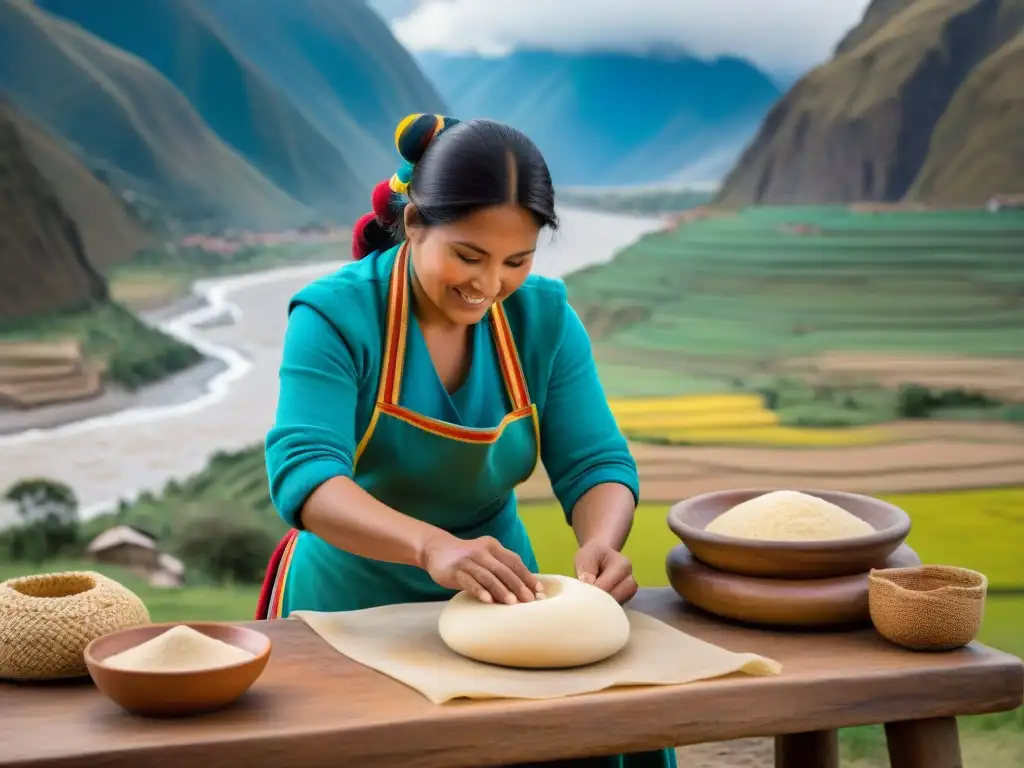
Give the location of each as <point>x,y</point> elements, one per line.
<point>10,585</point>
<point>977,590</point>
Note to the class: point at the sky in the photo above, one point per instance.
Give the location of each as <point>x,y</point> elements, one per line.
<point>777,35</point>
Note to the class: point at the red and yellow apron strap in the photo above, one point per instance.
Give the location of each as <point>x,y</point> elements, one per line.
<point>271,598</point>
<point>397,325</point>
<point>508,357</point>
<point>389,390</point>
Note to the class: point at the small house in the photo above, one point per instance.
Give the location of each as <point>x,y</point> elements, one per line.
<point>130,548</point>
<point>123,545</point>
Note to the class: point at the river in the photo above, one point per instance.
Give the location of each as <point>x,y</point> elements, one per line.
<point>162,435</point>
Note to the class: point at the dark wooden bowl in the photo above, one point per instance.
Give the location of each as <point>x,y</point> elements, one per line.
<point>789,559</point>
<point>805,603</point>
<point>170,694</point>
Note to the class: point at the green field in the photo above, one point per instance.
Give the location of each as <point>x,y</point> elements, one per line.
<point>135,353</point>
<point>713,305</point>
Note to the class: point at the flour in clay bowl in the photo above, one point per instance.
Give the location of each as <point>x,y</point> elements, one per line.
<point>179,649</point>
<point>788,516</point>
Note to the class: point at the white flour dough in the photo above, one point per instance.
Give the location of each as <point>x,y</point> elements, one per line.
<point>575,624</point>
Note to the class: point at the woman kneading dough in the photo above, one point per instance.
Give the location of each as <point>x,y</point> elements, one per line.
<point>420,384</point>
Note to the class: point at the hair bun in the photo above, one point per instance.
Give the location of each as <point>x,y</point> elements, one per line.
<point>414,134</point>
<point>382,200</point>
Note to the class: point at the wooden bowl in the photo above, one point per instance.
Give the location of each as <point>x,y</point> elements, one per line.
<point>170,694</point>
<point>789,559</point>
<point>804,603</point>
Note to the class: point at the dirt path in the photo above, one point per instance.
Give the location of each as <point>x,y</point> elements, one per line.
<point>936,456</point>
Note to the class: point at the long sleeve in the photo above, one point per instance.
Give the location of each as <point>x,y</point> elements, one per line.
<point>313,437</point>
<point>581,445</point>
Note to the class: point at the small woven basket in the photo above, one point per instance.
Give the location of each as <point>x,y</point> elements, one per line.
<point>47,620</point>
<point>928,608</point>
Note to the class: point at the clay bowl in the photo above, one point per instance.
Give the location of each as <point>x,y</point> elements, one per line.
<point>171,694</point>
<point>789,559</point>
<point>798,603</point>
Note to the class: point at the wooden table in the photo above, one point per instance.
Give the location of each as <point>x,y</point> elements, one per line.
<point>313,708</point>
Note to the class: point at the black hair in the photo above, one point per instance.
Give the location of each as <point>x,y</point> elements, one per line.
<point>454,169</point>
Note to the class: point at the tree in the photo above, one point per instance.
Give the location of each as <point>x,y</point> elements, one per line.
<point>48,510</point>
<point>229,545</point>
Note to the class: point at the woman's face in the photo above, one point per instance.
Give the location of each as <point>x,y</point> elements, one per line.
<point>465,267</point>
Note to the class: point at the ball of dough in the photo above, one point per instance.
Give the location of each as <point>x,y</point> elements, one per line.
<point>573,625</point>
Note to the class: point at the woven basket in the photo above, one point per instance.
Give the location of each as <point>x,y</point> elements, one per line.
<point>928,608</point>
<point>47,620</point>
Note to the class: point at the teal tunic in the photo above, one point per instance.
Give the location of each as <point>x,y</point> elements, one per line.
<point>360,398</point>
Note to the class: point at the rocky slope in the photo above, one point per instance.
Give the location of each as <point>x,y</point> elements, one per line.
<point>978,144</point>
<point>919,93</point>
<point>110,233</point>
<point>40,245</point>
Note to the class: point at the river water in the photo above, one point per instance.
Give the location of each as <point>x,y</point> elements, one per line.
<point>159,436</point>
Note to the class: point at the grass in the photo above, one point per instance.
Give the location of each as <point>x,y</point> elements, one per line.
<point>194,603</point>
<point>717,304</point>
<point>135,354</point>
<point>979,529</point>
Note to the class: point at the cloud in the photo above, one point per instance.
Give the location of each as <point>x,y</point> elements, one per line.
<point>775,34</point>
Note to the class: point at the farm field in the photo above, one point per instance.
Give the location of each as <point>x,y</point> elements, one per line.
<point>728,419</point>
<point>734,303</point>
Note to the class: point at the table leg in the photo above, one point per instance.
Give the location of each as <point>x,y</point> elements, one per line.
<point>815,749</point>
<point>924,744</point>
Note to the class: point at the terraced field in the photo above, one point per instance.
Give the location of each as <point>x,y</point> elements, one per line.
<point>731,303</point>
<point>727,419</point>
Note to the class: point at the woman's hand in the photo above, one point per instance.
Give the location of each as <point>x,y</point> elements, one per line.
<point>598,564</point>
<point>482,567</point>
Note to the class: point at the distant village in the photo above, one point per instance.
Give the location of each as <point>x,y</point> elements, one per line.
<point>230,243</point>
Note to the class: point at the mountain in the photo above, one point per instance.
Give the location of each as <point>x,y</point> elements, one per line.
<point>977,148</point>
<point>309,92</point>
<point>132,127</point>
<point>39,242</point>
<point>109,231</point>
<point>609,119</point>
<point>923,101</point>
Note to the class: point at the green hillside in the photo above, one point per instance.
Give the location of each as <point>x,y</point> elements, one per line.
<point>308,92</point>
<point>132,127</point>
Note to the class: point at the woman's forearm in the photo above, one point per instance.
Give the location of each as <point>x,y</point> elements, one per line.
<point>347,517</point>
<point>604,514</point>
